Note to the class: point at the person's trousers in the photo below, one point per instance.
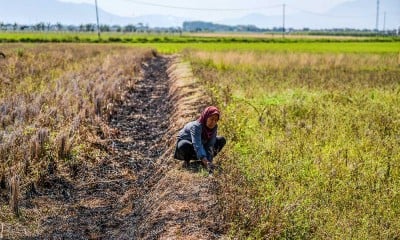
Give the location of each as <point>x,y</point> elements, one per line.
<point>185,150</point>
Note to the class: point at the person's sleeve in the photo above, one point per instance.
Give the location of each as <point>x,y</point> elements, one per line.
<point>210,145</point>
<point>195,132</point>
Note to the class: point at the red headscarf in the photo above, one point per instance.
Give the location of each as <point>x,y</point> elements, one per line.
<point>211,110</point>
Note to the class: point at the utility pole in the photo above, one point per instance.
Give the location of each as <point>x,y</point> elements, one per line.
<point>377,16</point>
<point>97,16</point>
<point>384,21</point>
<point>283,22</point>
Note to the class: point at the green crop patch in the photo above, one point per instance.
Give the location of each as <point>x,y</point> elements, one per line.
<point>313,134</point>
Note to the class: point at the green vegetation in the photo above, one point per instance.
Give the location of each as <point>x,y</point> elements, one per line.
<point>313,142</point>
<point>301,47</point>
<point>173,43</point>
<point>109,37</point>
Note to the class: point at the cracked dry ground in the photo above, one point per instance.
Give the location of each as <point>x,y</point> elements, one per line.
<point>108,201</point>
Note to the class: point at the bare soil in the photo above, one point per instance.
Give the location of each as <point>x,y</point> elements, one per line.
<point>138,191</point>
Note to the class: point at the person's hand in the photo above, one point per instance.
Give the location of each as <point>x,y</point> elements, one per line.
<point>208,165</point>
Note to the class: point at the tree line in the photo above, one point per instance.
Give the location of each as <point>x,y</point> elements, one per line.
<point>88,27</point>
<point>187,26</point>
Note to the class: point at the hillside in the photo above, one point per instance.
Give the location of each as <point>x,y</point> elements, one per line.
<point>350,14</point>
<point>52,11</point>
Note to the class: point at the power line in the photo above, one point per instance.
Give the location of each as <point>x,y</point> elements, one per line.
<point>241,9</point>
<point>202,9</point>
<point>323,14</point>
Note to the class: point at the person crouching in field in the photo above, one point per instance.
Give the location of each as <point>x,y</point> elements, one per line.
<point>198,139</point>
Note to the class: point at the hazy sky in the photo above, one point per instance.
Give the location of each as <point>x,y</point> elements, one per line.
<point>210,9</point>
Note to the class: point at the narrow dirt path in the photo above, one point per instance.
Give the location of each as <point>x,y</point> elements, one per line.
<point>139,191</point>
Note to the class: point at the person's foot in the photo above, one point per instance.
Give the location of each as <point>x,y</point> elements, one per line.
<point>210,167</point>
<point>186,163</point>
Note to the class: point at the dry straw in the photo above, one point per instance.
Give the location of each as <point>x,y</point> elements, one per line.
<point>2,230</point>
<point>14,193</point>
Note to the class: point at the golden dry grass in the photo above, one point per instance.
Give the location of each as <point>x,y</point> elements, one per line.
<point>55,101</point>
<point>281,60</point>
